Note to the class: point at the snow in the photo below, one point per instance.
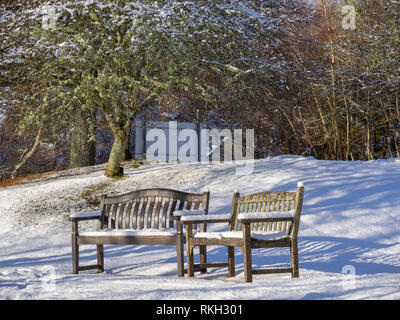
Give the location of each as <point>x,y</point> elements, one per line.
<point>206,217</point>
<point>130,232</point>
<point>85,214</point>
<point>349,222</point>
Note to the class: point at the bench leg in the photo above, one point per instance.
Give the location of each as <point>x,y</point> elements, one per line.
<point>248,272</point>
<point>100,258</point>
<point>75,255</point>
<point>75,248</point>
<point>189,251</point>
<point>231,262</point>
<point>294,258</point>
<point>180,255</point>
<point>190,261</point>
<point>203,257</point>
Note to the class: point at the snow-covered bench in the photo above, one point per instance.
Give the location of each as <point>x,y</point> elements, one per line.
<point>143,217</point>
<point>259,220</point>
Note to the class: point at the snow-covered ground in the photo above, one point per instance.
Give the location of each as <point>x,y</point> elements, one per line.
<point>349,238</point>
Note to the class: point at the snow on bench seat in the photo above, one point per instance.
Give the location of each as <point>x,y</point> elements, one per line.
<point>239,234</point>
<point>129,232</point>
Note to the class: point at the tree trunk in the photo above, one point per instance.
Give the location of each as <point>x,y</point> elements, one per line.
<point>127,154</point>
<point>27,154</point>
<point>83,149</point>
<point>117,154</point>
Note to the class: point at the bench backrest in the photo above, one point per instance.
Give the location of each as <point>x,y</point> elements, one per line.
<point>275,201</point>
<point>148,209</point>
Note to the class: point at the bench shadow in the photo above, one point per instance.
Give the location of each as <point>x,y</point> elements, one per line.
<point>324,254</point>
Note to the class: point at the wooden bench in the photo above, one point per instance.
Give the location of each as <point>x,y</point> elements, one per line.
<point>143,217</point>
<point>259,220</point>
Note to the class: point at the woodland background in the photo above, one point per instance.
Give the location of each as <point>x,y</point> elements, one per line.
<point>287,69</point>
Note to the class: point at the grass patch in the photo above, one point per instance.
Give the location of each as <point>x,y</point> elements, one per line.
<point>92,194</point>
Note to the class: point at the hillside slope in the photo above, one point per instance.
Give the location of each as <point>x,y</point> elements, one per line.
<point>351,217</point>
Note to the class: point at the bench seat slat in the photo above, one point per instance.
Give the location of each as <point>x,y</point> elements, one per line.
<point>143,212</point>
<point>128,214</point>
<point>164,214</point>
<point>114,214</point>
<point>121,215</point>
<point>135,213</point>
<point>157,212</point>
<point>150,212</point>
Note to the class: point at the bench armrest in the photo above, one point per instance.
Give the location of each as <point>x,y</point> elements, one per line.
<point>213,218</point>
<point>87,215</point>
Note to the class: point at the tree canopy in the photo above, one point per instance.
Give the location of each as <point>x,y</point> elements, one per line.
<point>119,56</point>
